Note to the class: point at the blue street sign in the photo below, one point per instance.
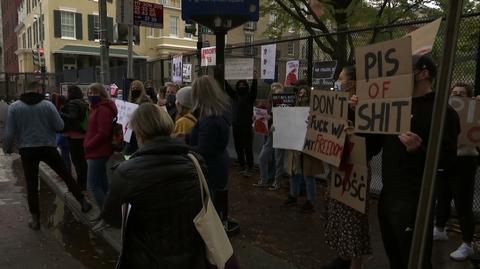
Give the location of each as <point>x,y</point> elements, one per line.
<point>192,9</point>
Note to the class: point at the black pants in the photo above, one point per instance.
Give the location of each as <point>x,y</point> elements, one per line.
<point>77,154</point>
<point>397,221</point>
<point>243,137</point>
<point>31,158</point>
<point>459,186</point>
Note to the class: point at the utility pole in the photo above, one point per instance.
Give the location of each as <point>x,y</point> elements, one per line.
<point>104,46</point>
<point>130,52</point>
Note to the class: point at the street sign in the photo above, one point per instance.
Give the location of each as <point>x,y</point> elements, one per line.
<point>147,14</point>
<point>228,13</point>
<point>124,11</point>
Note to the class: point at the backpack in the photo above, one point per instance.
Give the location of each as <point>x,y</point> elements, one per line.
<point>117,136</point>
<point>84,122</point>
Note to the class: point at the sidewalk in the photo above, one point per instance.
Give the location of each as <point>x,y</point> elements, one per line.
<point>20,247</point>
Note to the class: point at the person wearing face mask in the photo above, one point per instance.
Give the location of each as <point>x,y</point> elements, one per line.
<point>137,96</point>
<point>403,162</point>
<point>170,98</point>
<point>98,141</point>
<point>243,99</point>
<point>459,186</point>
<point>185,120</point>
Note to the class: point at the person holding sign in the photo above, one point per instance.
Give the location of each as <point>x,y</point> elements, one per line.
<point>403,162</point>
<point>459,185</point>
<point>243,99</point>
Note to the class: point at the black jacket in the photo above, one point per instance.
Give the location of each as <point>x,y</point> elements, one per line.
<point>161,184</point>
<point>402,171</point>
<point>73,115</point>
<point>242,104</point>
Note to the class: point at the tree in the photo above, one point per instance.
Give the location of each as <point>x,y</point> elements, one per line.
<point>330,16</point>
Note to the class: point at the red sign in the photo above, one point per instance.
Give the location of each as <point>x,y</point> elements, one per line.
<point>147,14</point>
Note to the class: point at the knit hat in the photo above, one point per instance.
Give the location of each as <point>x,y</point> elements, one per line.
<point>425,62</point>
<point>184,97</point>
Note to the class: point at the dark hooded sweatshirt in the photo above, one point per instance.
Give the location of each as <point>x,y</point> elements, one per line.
<point>32,122</point>
<point>242,103</point>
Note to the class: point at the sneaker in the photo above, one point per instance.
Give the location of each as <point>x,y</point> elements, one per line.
<point>338,263</point>
<point>260,184</point>
<point>308,207</point>
<point>274,187</point>
<point>439,235</point>
<point>290,201</point>
<point>246,173</point>
<point>462,253</point>
<point>34,223</point>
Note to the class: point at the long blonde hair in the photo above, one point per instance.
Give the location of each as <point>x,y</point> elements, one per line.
<point>208,97</point>
<point>150,121</point>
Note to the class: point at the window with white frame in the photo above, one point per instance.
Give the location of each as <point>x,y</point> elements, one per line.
<point>291,49</point>
<point>29,37</point>
<point>154,33</point>
<point>96,27</point>
<point>173,25</point>
<point>24,41</point>
<point>35,32</point>
<point>68,24</point>
<point>162,2</point>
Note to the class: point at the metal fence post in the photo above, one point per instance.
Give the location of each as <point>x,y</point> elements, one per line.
<point>425,203</point>
<point>310,61</point>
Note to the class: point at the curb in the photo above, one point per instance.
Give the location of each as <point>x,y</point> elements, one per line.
<point>111,235</point>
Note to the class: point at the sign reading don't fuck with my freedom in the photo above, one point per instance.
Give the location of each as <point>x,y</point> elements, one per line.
<point>327,121</point>
<point>384,87</point>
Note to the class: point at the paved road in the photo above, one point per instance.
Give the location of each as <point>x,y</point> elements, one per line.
<point>21,247</point>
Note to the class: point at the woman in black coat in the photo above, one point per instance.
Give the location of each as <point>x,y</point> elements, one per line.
<point>160,183</point>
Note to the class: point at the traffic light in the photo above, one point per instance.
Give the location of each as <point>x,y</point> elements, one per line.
<point>190,27</point>
<point>41,57</point>
<point>35,56</point>
<point>121,33</point>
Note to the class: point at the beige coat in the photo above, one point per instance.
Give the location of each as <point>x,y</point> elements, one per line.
<point>311,166</point>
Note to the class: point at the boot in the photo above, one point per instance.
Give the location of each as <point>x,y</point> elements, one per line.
<point>85,205</point>
<point>34,222</point>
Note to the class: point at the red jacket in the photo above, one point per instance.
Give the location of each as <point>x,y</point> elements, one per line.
<point>98,140</point>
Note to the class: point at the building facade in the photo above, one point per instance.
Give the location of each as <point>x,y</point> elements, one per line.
<point>68,33</point>
<point>9,21</point>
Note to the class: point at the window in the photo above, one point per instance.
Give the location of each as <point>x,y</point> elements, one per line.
<point>29,37</point>
<point>291,49</point>
<point>304,52</point>
<point>24,41</point>
<point>96,27</point>
<point>34,3</point>
<point>248,41</point>
<point>162,2</point>
<point>68,24</point>
<point>35,32</point>
<point>188,35</point>
<point>154,33</point>
<point>42,28</point>
<point>28,7</point>
<point>251,26</point>
<point>173,25</point>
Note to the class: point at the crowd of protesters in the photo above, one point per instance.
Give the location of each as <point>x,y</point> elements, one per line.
<point>160,182</point>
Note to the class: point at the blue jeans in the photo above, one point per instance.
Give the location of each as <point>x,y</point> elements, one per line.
<point>265,159</point>
<point>97,179</point>
<point>279,164</point>
<point>296,185</point>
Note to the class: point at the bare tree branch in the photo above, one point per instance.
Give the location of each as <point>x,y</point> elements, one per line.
<point>377,19</point>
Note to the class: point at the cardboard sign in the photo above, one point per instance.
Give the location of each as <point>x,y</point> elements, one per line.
<point>177,69</point>
<point>290,127</point>
<point>187,72</point>
<point>384,87</point>
<point>125,112</point>
<point>209,56</point>
<point>323,73</point>
<point>468,110</point>
<point>238,68</point>
<point>326,126</point>
<point>260,125</point>
<point>269,53</point>
<point>424,37</point>
<point>284,100</point>
<point>83,87</point>
<point>291,76</point>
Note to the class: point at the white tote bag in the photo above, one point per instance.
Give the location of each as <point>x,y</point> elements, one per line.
<point>217,245</point>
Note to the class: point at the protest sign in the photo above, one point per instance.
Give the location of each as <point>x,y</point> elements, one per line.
<point>384,87</point>
<point>177,69</point>
<point>187,72</point>
<point>125,111</point>
<point>83,87</point>
<point>424,37</point>
<point>323,73</point>
<point>291,76</point>
<point>209,56</point>
<point>268,61</point>
<point>468,110</point>
<point>290,127</point>
<point>326,126</point>
<point>3,117</point>
<point>238,68</point>
<point>284,99</point>
<point>260,125</point>
<point>349,184</point>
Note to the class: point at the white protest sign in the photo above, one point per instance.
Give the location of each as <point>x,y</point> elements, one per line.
<point>238,68</point>
<point>290,127</point>
<point>291,76</point>
<point>209,56</point>
<point>268,61</point>
<point>125,111</point>
<point>177,70</point>
<point>187,72</point>
<point>260,125</point>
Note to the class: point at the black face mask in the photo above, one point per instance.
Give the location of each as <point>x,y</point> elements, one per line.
<point>136,94</point>
<point>242,90</point>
